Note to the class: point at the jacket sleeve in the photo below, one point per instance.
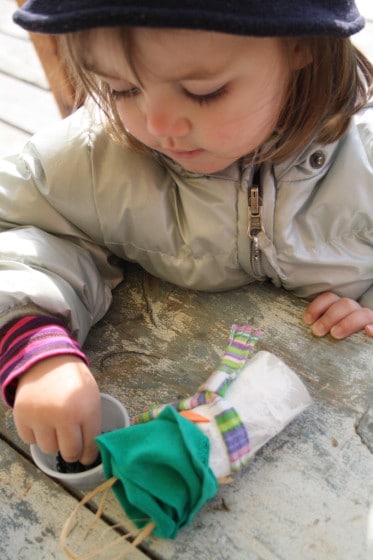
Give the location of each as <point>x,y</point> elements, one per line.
<point>52,258</point>
<point>366,299</point>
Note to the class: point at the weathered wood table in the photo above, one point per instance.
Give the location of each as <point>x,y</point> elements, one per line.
<point>306,495</point>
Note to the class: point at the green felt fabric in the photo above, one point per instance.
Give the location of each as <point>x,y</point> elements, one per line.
<point>162,470</point>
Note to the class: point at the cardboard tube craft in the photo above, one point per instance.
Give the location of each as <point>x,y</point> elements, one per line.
<point>169,462</point>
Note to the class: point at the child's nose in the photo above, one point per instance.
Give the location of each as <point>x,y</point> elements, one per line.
<point>165,122</point>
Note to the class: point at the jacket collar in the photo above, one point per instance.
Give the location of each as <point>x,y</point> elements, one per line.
<point>310,161</point>
<point>232,172</point>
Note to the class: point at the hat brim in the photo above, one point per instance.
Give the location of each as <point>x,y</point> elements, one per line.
<point>263,18</point>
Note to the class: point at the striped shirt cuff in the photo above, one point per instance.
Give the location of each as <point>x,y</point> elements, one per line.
<point>29,340</point>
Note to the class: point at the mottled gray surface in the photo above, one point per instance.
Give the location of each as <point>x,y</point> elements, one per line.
<point>305,495</point>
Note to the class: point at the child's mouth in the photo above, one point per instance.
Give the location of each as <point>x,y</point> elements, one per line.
<point>184,154</point>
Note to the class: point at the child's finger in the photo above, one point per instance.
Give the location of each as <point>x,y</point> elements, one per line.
<point>46,439</point>
<point>70,443</point>
<point>90,449</point>
<point>90,453</point>
<point>90,428</point>
<point>25,432</point>
<point>318,307</point>
<point>339,312</point>
<point>354,322</point>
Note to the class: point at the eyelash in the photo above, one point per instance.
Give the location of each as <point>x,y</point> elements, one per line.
<point>208,97</point>
<point>200,99</point>
<point>125,93</point>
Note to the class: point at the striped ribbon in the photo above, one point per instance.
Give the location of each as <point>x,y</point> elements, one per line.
<point>241,344</point>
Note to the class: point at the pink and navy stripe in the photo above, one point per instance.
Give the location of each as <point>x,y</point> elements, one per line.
<point>25,342</point>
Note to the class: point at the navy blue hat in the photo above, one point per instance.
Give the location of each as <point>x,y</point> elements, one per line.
<point>339,18</point>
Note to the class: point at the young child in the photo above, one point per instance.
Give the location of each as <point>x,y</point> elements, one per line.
<point>228,142</point>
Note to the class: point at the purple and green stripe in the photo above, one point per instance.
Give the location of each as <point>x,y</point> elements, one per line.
<point>241,344</point>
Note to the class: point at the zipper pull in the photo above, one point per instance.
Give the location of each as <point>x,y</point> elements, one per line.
<point>255,212</point>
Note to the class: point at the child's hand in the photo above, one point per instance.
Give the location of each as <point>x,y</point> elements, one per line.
<point>341,317</point>
<point>58,406</point>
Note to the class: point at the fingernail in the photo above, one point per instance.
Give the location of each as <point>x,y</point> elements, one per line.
<point>336,332</point>
<point>318,329</point>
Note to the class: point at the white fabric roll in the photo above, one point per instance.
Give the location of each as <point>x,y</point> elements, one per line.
<point>267,395</point>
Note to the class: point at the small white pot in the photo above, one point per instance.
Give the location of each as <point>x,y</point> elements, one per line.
<point>114,416</point>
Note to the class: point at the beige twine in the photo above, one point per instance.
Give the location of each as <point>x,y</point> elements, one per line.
<point>132,538</point>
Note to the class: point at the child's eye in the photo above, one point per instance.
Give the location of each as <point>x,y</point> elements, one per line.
<point>125,93</point>
<point>206,97</point>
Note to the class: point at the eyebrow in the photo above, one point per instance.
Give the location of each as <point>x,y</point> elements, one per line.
<point>104,73</point>
<point>195,74</point>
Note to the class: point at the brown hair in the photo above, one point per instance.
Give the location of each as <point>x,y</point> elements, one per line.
<point>321,100</point>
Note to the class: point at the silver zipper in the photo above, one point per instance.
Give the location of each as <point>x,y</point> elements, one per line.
<point>255,226</point>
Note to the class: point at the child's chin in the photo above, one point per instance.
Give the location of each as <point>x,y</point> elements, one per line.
<point>205,168</point>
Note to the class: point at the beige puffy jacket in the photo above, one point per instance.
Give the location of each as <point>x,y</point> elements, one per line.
<point>74,201</point>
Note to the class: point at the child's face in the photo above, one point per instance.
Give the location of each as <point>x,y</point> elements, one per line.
<point>203,99</point>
